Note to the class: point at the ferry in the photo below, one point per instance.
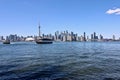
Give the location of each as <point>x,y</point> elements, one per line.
<point>6,42</point>
<point>44,41</point>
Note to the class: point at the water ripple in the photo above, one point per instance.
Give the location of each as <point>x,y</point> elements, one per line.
<point>60,61</point>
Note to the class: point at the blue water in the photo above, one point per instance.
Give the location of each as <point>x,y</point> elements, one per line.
<point>60,61</point>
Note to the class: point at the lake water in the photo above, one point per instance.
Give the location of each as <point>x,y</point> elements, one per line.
<point>60,61</point>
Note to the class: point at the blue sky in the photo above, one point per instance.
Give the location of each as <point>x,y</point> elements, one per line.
<point>23,16</point>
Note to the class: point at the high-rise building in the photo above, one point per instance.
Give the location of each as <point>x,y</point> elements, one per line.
<point>78,38</point>
<point>87,38</point>
<point>84,36</point>
<point>81,38</point>
<point>1,38</point>
<point>64,38</point>
<point>101,37</point>
<point>57,35</point>
<point>92,37</point>
<point>72,33</point>
<point>113,37</point>
<point>69,38</point>
<point>13,37</point>
<point>7,38</point>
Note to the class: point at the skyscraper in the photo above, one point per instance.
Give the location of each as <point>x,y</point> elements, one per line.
<point>94,35</point>
<point>1,38</point>
<point>57,35</point>
<point>101,37</point>
<point>113,37</point>
<point>84,36</point>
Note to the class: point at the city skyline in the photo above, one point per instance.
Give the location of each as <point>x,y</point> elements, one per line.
<point>23,17</point>
<point>60,36</point>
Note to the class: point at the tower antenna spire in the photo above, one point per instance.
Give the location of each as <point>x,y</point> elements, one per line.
<point>39,28</point>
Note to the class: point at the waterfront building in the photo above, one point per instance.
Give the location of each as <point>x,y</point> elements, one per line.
<point>76,35</point>
<point>67,32</point>
<point>87,38</point>
<point>78,38</point>
<point>64,38</point>
<point>7,38</point>
<point>95,38</point>
<point>84,36</point>
<point>1,38</point>
<point>69,38</point>
<point>113,37</point>
<point>23,38</point>
<point>48,36</point>
<point>92,37</point>
<point>72,33</point>
<point>56,35</point>
<point>101,37</point>
<point>73,37</point>
<point>13,38</point>
<point>29,39</point>
<point>81,38</point>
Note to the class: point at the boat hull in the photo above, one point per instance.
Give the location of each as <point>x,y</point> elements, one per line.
<point>6,42</point>
<point>43,42</point>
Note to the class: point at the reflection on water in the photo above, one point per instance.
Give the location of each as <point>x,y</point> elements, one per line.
<point>60,61</point>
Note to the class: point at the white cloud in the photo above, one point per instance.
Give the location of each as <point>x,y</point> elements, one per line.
<point>114,11</point>
<point>118,13</point>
